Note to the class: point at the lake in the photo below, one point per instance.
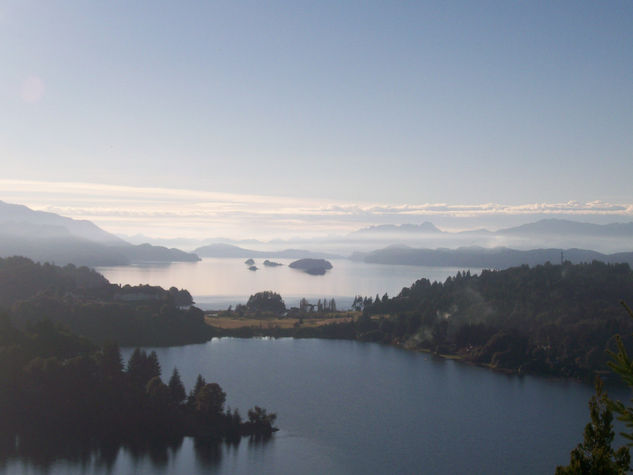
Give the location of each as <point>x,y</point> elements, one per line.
<point>348,407</point>
<point>217,283</point>
<point>344,407</point>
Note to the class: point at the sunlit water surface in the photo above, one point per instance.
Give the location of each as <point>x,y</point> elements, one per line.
<point>217,283</point>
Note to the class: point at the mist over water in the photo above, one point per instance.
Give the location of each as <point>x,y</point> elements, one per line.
<point>216,283</point>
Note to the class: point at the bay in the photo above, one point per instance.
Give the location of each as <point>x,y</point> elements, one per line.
<point>216,283</point>
<point>348,407</point>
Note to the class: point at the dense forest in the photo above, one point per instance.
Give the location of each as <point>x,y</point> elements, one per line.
<point>547,319</point>
<point>55,385</point>
<point>85,302</point>
<point>555,320</point>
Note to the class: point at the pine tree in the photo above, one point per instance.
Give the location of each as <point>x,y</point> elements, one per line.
<point>111,361</point>
<point>595,455</point>
<point>623,365</point>
<point>153,366</point>
<point>176,388</point>
<point>200,383</point>
<point>135,366</point>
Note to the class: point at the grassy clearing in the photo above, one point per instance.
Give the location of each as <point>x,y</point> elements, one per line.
<point>232,323</point>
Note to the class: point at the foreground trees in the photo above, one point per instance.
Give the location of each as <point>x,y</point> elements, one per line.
<point>623,365</point>
<point>54,384</point>
<point>595,455</point>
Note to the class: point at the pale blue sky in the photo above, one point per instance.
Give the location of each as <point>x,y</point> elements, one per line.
<point>401,103</point>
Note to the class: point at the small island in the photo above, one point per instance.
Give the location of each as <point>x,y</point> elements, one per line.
<point>272,264</point>
<point>312,266</point>
<point>249,262</point>
<point>253,268</point>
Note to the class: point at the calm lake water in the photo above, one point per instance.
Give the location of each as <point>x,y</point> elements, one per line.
<point>357,408</point>
<point>344,407</point>
<point>218,283</point>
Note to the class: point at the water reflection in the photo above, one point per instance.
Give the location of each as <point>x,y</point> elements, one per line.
<point>35,454</point>
<point>208,453</point>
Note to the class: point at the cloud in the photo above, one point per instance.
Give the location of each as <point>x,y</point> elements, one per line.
<point>175,212</point>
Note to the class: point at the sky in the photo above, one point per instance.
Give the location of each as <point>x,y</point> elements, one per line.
<point>263,119</point>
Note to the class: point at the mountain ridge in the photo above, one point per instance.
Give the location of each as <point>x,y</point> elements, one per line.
<point>49,237</point>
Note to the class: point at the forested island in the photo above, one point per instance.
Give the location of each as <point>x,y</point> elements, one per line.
<point>311,266</point>
<point>553,320</point>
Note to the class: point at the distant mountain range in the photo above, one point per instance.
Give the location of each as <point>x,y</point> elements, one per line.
<point>559,227</point>
<point>424,228</point>
<point>491,258</point>
<point>49,237</point>
<point>563,227</point>
<point>229,250</point>
<point>44,236</point>
<point>545,233</point>
<point>559,233</point>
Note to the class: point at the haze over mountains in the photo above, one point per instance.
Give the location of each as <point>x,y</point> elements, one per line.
<point>49,237</point>
<point>229,250</point>
<point>44,236</point>
<point>545,233</point>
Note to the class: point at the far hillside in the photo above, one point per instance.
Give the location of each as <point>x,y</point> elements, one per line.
<point>480,257</point>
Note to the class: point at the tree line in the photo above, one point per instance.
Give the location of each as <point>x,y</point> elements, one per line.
<point>548,319</point>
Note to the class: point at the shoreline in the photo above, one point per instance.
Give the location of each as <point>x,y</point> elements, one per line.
<point>260,332</point>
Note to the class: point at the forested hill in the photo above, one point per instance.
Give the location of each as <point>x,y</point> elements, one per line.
<point>480,257</point>
<point>89,305</point>
<point>548,319</point>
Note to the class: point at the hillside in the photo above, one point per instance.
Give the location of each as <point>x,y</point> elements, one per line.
<point>85,302</point>
<point>48,237</point>
<point>479,257</point>
<point>549,319</point>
